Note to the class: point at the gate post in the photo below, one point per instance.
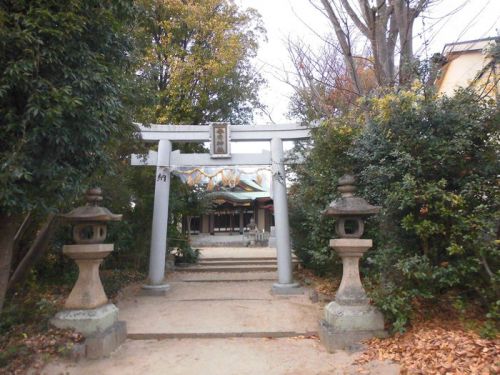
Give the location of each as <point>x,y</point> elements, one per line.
<point>156,277</point>
<point>285,284</point>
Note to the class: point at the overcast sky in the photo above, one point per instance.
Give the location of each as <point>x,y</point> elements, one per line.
<point>299,19</point>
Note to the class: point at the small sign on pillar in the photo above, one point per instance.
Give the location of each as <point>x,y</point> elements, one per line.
<point>220,140</point>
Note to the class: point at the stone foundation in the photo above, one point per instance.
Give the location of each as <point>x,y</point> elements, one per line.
<point>155,290</point>
<point>87,322</point>
<point>344,326</point>
<point>350,340</point>
<point>354,318</point>
<point>287,289</point>
<point>102,344</point>
<point>101,328</point>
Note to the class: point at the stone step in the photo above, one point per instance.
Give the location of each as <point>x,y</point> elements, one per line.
<point>220,259</point>
<point>216,277</point>
<point>222,335</point>
<point>237,263</point>
<point>243,259</point>
<point>227,268</point>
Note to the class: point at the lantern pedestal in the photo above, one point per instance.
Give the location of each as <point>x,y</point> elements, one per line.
<point>350,318</point>
<point>88,292</point>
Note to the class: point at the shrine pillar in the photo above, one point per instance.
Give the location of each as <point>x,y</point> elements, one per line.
<point>285,284</point>
<point>156,277</point>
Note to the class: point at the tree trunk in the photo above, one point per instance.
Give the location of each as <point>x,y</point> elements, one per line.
<point>495,82</point>
<point>36,250</point>
<point>391,46</point>
<point>405,17</point>
<point>377,31</point>
<point>8,228</point>
<point>383,55</point>
<point>343,38</point>
<point>406,59</point>
<point>381,22</point>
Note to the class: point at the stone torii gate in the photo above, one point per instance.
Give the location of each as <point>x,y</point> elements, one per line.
<point>220,135</point>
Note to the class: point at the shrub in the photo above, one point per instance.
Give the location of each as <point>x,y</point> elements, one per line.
<point>432,164</point>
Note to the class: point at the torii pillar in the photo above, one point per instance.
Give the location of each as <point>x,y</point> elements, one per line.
<point>285,284</point>
<point>156,283</point>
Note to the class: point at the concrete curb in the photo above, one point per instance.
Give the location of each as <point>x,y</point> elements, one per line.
<point>217,335</point>
<point>238,269</point>
<point>227,281</point>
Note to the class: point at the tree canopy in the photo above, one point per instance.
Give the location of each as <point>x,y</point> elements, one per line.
<point>64,77</point>
<point>62,85</point>
<point>197,57</point>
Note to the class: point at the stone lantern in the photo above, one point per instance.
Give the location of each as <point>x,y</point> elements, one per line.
<point>252,232</point>
<point>350,318</point>
<point>87,309</point>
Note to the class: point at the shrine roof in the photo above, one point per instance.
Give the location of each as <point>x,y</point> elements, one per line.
<point>240,196</point>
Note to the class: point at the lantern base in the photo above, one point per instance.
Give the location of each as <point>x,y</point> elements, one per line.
<point>101,328</point>
<point>351,340</point>
<point>345,326</point>
<point>87,322</point>
<point>102,344</point>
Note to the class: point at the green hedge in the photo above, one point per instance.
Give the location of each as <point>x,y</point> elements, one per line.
<point>432,164</point>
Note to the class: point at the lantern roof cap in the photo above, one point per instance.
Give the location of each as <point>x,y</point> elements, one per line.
<point>92,212</point>
<point>348,204</point>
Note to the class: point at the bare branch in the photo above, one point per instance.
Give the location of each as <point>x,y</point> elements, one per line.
<point>344,44</point>
<point>350,11</point>
<point>36,250</point>
<point>420,7</point>
<point>22,229</point>
<point>268,114</point>
<point>486,266</point>
<point>324,39</point>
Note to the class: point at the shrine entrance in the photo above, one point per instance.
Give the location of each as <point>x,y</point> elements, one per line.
<point>220,136</point>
